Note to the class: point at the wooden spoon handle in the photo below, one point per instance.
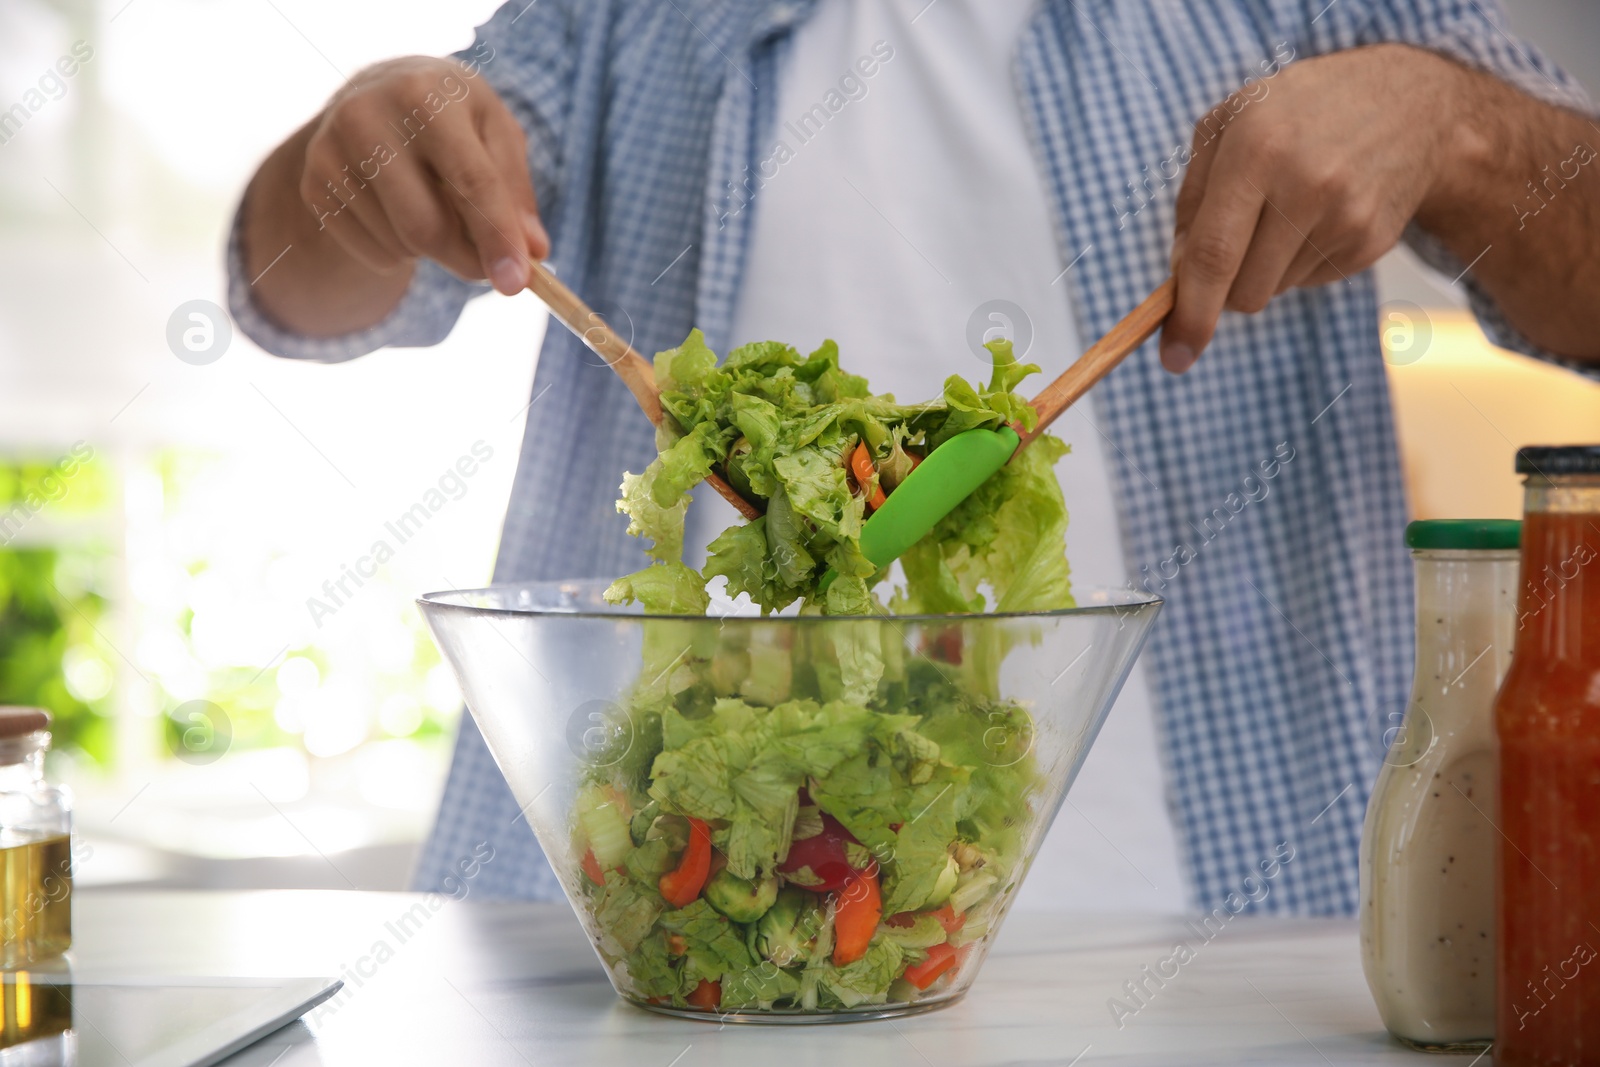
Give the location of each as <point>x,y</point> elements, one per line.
<point>1102,357</point>
<point>636,372</point>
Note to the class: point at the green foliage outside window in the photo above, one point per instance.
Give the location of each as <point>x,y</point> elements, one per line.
<point>53,569</point>
<point>61,545</point>
<point>248,690</point>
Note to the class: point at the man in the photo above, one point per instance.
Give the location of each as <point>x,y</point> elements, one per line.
<point>877,172</point>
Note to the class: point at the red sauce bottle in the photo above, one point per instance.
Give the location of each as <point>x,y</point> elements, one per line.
<point>1547,722</point>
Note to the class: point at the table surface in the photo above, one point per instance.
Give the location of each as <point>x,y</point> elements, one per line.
<point>495,983</point>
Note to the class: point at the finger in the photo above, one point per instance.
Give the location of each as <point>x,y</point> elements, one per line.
<point>1218,239</point>
<point>335,218</point>
<point>367,210</point>
<point>355,239</point>
<point>1338,255</point>
<point>1318,263</point>
<point>508,147</point>
<point>1323,275</point>
<point>1298,273</point>
<point>1203,147</point>
<point>329,191</point>
<point>1273,249</point>
<point>425,221</point>
<point>485,204</point>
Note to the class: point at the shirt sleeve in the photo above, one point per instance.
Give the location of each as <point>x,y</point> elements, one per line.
<point>523,54</point>
<point>1475,34</point>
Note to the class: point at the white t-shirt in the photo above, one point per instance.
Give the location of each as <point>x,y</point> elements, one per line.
<point>901,199</point>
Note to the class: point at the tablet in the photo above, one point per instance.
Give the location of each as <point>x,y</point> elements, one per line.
<point>64,1020</point>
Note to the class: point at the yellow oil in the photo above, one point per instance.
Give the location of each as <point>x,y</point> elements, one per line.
<point>35,897</point>
<point>32,1010</point>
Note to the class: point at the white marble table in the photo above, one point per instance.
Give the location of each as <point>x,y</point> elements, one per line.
<point>483,983</point>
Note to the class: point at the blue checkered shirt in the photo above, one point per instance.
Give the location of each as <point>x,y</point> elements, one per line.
<point>1286,645</point>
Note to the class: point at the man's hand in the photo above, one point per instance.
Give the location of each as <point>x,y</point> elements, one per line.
<point>1312,176</point>
<point>415,157</point>
<point>1308,179</point>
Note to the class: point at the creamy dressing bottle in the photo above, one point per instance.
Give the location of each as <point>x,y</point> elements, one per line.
<point>1428,848</point>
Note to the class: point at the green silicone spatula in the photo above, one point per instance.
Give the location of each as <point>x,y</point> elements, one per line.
<point>956,468</point>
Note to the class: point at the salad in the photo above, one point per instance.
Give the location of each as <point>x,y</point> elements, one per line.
<point>814,818</point>
<point>810,443</point>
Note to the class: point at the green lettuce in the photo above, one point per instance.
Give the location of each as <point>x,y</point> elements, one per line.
<point>664,588</point>
<point>650,967</point>
<point>714,945</point>
<point>780,427</point>
<point>627,911</point>
<point>866,981</point>
<point>758,986</point>
<point>919,771</point>
<point>744,765</point>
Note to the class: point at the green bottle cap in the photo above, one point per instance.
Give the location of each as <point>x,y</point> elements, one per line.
<point>1465,533</point>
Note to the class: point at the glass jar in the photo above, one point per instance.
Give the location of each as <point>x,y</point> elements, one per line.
<point>1427,850</point>
<point>1547,721</point>
<point>620,734</point>
<point>35,844</point>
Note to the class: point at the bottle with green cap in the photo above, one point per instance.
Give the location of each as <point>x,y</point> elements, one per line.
<point>1428,847</point>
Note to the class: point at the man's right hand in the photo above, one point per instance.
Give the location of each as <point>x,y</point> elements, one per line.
<point>415,157</point>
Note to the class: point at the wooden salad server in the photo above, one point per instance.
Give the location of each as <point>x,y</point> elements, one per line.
<point>636,372</point>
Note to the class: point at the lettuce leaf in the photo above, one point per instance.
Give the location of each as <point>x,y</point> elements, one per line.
<point>758,986</point>
<point>627,911</point>
<point>922,844</point>
<point>663,526</point>
<point>714,945</point>
<point>687,367</point>
<point>651,968</point>
<point>662,589</point>
<point>867,979</point>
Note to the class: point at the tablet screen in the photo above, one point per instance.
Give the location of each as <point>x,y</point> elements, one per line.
<point>58,1019</point>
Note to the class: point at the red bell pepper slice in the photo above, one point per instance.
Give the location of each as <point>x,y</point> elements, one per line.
<point>940,959</point>
<point>679,887</point>
<point>856,910</point>
<point>707,996</point>
<point>861,466</point>
<point>949,919</point>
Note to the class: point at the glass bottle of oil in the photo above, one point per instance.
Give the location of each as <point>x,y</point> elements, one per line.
<point>36,1017</point>
<point>35,844</point>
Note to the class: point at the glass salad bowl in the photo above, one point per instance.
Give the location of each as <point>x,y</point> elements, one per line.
<point>793,818</point>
